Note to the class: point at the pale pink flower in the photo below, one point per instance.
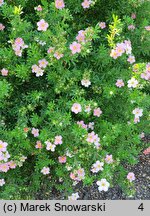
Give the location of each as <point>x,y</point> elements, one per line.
<point>81,36</point>
<point>38,8</point>
<point>72,176</point>
<point>12,164</point>
<point>1,27</point>
<point>91,125</point>
<point>148,68</point>
<point>58,55</point>
<point>75,47</point>
<point>131,59</point>
<point>114,54</point>
<point>23,158</point>
<point>50,50</point>
<point>81,174</point>
<point>103,185</point>
<point>76,108</point>
<point>102,25</point>
<point>142,135</point>
<point>74,196</point>
<point>59,4</point>
<point>45,170</point>
<point>133,16</point>
<point>62,159</point>
<point>6,155</point>
<point>18,53</point>
<point>109,159</point>
<point>137,112</point>
<point>1,2</point>
<point>3,146</point>
<point>2,182</point>
<point>146,151</point>
<point>119,83</point>
<point>86,82</point>
<point>58,140</point>
<point>86,4</point>
<point>147,28</point>
<point>35,132</point>
<point>131,27</point>
<point>43,63</point>
<point>50,146</point>
<point>19,42</point>
<point>83,125</point>
<point>136,120</point>
<point>91,137</point>
<point>4,72</point>
<point>97,112</point>
<point>131,176</point>
<point>35,68</point>
<point>98,166</point>
<point>132,83</point>
<point>39,72</point>
<point>38,145</point>
<point>4,167</point>
<point>42,25</point>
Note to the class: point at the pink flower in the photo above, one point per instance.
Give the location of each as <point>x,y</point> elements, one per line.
<point>114,54</point>
<point>45,170</point>
<point>131,176</point>
<point>131,59</point>
<point>50,146</point>
<point>131,27</point>
<point>87,109</point>
<point>109,159</point>
<point>43,63</point>
<point>12,164</point>
<point>42,25</point>
<point>83,125</point>
<point>2,182</point>
<point>3,146</point>
<point>35,132</point>
<point>4,72</point>
<point>58,140</point>
<point>19,42</point>
<point>102,25</point>
<point>137,112</point>
<point>133,16</point>
<point>119,83</point>
<point>4,167</point>
<point>38,145</point>
<point>62,159</point>
<point>81,36</point>
<point>86,4</point>
<point>1,27</point>
<point>146,151</point>
<point>86,82</point>
<point>58,55</point>
<point>91,125</point>
<point>38,8</point>
<point>136,120</point>
<point>75,47</point>
<point>98,166</point>
<point>132,83</point>
<point>50,50</point>
<point>39,72</point>
<point>1,2</point>
<point>97,112</point>
<point>147,28</point>
<point>76,108</point>
<point>59,4</point>
<point>35,68</point>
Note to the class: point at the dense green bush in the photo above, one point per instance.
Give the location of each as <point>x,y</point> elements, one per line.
<point>74,93</point>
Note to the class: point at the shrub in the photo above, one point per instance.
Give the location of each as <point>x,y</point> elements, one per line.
<point>74,94</point>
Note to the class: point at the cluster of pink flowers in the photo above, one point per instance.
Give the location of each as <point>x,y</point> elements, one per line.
<point>102,25</point>
<point>1,27</point>
<point>4,72</point>
<point>59,4</point>
<point>57,54</point>
<point>98,166</point>
<point>93,138</point>
<point>146,74</point>
<point>42,25</point>
<point>4,156</point>
<point>38,8</point>
<point>39,69</point>
<point>86,126</point>
<point>137,114</point>
<point>86,4</point>
<point>35,132</point>
<point>132,83</point>
<point>131,176</point>
<point>45,170</point>
<point>121,48</point>
<point>78,175</point>
<point>119,83</point>
<point>18,46</point>
<point>57,141</point>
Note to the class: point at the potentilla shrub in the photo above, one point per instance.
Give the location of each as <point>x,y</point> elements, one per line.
<point>74,95</point>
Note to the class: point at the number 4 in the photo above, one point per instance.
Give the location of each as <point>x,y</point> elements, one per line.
<point>141,207</point>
